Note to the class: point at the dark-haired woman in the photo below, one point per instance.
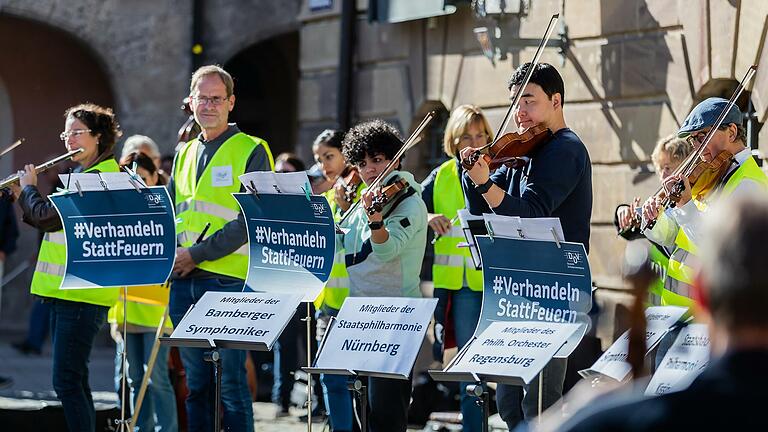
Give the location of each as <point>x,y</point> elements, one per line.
<point>384,250</point>
<point>327,150</point>
<point>76,314</point>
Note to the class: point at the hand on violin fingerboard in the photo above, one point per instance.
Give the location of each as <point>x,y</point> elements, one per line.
<point>480,173</point>
<point>367,198</point>
<point>671,185</point>
<point>340,197</point>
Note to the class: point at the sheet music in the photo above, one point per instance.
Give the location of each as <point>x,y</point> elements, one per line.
<point>268,182</point>
<point>93,181</point>
<point>525,228</point>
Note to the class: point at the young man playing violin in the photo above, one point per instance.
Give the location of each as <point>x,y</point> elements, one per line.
<point>555,182</point>
<point>384,248</point>
<point>679,228</point>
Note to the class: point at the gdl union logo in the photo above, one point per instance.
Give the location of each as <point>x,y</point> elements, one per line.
<point>573,258</point>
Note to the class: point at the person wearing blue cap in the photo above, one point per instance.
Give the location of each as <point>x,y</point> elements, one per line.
<point>679,227</point>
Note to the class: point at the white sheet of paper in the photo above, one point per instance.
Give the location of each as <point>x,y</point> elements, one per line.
<point>268,182</point>
<point>525,228</point>
<point>93,181</point>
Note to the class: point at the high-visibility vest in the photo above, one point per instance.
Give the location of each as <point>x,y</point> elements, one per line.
<point>52,260</point>
<point>452,263</point>
<point>147,313</point>
<point>210,199</point>
<point>683,261</point>
<point>659,264</point>
<point>337,287</point>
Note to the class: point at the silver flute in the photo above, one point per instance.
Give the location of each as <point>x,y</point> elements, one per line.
<point>40,168</point>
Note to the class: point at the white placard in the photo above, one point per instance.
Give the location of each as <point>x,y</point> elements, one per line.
<point>613,362</point>
<point>683,362</point>
<point>376,336</point>
<point>512,349</point>
<point>268,182</point>
<point>237,318</point>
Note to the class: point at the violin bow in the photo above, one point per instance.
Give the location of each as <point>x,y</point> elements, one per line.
<point>691,159</point>
<point>519,93</point>
<point>731,102</point>
<point>410,142</point>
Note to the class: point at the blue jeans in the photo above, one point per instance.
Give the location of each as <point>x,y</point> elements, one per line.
<point>235,397</point>
<point>338,399</point>
<point>514,406</point>
<point>73,328</point>
<point>39,324</point>
<point>159,406</point>
<point>465,312</point>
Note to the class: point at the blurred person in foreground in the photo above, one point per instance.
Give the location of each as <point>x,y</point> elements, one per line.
<point>731,297</point>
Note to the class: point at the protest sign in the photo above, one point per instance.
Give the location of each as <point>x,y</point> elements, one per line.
<point>291,243</point>
<point>117,237</point>
<point>535,280</point>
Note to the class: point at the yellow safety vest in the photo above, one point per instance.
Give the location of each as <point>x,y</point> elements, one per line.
<point>337,287</point>
<point>52,260</point>
<point>141,309</point>
<point>452,263</point>
<point>683,261</point>
<point>210,200</point>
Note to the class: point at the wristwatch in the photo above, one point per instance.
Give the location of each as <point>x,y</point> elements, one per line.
<point>485,187</point>
<point>376,225</point>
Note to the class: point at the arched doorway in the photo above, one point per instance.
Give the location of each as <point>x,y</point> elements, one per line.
<point>266,78</point>
<point>6,128</point>
<point>45,71</point>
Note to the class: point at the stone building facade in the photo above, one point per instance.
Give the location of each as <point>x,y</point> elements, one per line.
<point>632,69</point>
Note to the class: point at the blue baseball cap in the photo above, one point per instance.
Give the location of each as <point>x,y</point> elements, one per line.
<point>705,114</point>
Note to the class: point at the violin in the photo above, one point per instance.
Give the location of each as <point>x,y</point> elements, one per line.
<point>512,149</point>
<point>409,143</point>
<point>350,182</point>
<point>702,175</point>
<point>386,194</point>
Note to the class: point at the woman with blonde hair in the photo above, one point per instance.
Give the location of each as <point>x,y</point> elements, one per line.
<point>458,286</point>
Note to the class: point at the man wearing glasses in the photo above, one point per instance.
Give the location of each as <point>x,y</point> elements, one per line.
<point>205,174</point>
<point>679,227</point>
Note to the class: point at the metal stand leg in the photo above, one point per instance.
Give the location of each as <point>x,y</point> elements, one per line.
<point>214,357</point>
<point>483,400</point>
<point>362,393</point>
<point>308,320</point>
<point>124,425</point>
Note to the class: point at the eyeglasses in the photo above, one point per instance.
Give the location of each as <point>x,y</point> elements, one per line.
<point>697,138</point>
<point>215,100</point>
<point>76,133</point>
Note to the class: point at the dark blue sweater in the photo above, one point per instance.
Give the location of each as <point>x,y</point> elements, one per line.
<point>557,182</point>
